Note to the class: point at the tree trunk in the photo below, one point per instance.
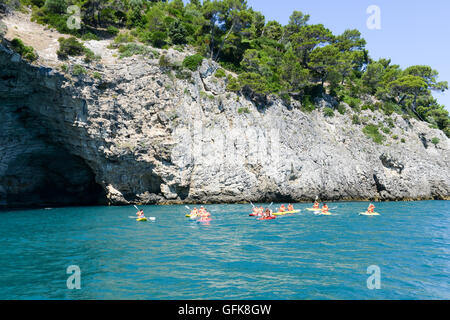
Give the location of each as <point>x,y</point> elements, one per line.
<point>414,108</point>
<point>224,39</point>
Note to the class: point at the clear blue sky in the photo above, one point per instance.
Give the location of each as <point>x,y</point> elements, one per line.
<point>412,32</point>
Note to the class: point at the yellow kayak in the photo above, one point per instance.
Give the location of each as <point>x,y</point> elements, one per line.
<point>286,212</point>
<point>369,214</point>
<point>312,209</point>
<point>141,219</point>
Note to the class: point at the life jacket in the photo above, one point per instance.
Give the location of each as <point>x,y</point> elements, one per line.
<point>316,205</point>
<point>325,208</point>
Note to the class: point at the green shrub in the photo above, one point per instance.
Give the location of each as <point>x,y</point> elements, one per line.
<point>183,74</point>
<point>97,75</point>
<point>163,61</point>
<point>56,6</point>
<point>131,49</point>
<point>192,62</point>
<point>386,130</point>
<point>328,112</point>
<point>435,141</point>
<point>25,52</point>
<point>112,30</point>
<point>158,39</point>
<point>354,103</point>
<point>341,108</point>
<point>395,137</point>
<point>286,98</point>
<point>372,132</point>
<point>78,70</point>
<point>90,56</point>
<point>220,73</point>
<point>243,110</point>
<point>253,81</point>
<point>89,36</point>
<point>179,48</point>
<point>368,107</point>
<point>365,120</point>
<point>233,84</point>
<point>64,67</point>
<point>125,37</point>
<point>70,47</point>
<point>388,108</point>
<point>307,104</point>
<point>403,140</point>
<point>355,119</point>
<point>390,123</point>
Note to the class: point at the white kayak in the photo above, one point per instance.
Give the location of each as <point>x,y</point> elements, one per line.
<point>369,214</point>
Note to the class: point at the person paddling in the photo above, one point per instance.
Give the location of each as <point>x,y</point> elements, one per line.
<point>324,209</point>
<point>290,207</point>
<point>140,214</point>
<point>371,208</point>
<point>267,213</point>
<point>194,213</point>
<point>282,208</point>
<point>316,205</point>
<point>204,213</point>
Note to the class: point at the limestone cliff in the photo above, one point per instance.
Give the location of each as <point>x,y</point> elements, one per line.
<point>142,133</point>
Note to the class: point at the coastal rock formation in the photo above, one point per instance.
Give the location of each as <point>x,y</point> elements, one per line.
<point>142,133</point>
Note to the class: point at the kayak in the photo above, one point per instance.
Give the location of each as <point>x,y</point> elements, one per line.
<point>286,212</point>
<point>267,218</point>
<point>254,215</point>
<point>323,214</point>
<point>204,220</point>
<point>198,215</point>
<point>369,214</point>
<point>141,219</point>
<point>313,209</point>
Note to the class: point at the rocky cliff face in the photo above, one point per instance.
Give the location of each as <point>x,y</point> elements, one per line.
<point>148,134</point>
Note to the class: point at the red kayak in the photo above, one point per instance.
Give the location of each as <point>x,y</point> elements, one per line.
<point>267,218</point>
<point>254,215</point>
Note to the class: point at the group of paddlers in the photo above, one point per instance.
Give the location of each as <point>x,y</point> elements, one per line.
<point>201,213</point>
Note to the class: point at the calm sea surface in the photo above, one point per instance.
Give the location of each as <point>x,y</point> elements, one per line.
<point>301,256</point>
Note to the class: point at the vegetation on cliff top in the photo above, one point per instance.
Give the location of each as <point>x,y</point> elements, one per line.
<point>299,60</point>
<point>25,52</point>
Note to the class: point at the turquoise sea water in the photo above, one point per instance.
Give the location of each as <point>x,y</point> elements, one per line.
<point>301,256</point>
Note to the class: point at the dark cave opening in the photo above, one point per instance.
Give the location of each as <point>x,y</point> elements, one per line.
<point>47,179</point>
